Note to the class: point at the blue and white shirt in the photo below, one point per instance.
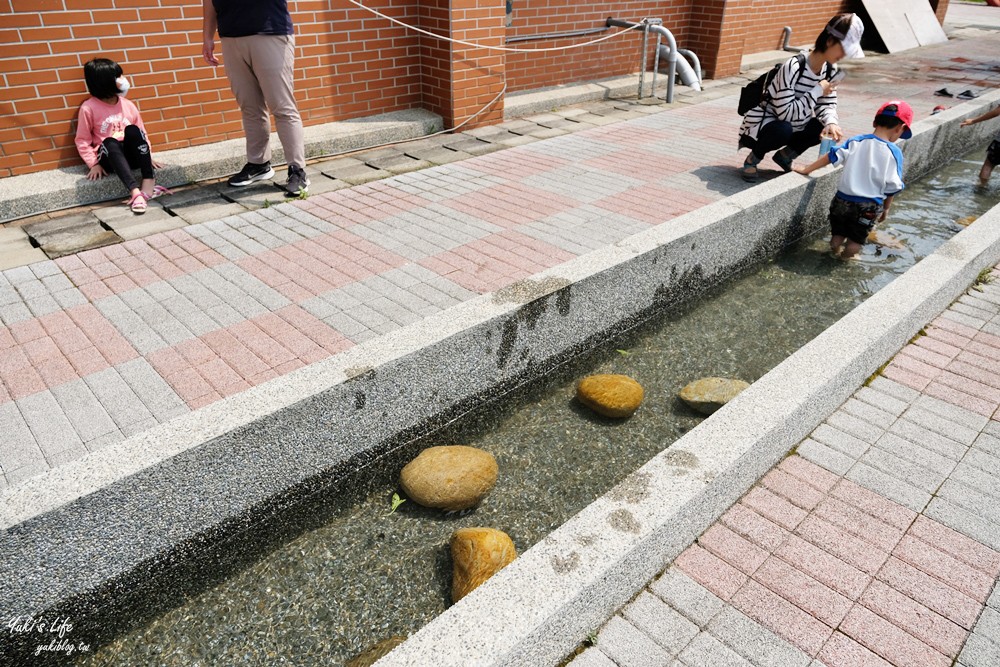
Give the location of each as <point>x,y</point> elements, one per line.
<point>795,97</point>
<point>873,168</point>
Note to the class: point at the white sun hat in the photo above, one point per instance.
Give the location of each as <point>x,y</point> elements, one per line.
<point>852,40</point>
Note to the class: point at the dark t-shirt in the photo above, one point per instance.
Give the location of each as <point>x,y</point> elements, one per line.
<point>239,18</point>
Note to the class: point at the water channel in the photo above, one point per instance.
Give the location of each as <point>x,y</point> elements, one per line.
<point>367,575</point>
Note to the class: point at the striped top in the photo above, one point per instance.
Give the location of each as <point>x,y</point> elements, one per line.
<point>795,97</point>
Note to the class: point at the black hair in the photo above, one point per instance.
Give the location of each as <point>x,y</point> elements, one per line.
<point>887,121</point>
<point>100,75</point>
<point>840,23</point>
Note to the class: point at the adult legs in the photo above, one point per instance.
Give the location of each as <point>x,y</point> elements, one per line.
<point>809,136</point>
<point>771,137</point>
<point>243,82</point>
<point>273,59</point>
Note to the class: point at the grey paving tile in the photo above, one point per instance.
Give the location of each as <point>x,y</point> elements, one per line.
<point>664,625</point>
<point>138,427</point>
<point>914,453</point>
<point>894,389</point>
<point>915,474</point>
<point>952,413</point>
<point>891,487</point>
<point>987,443</point>
<point>755,642</point>
<point>19,446</point>
<point>979,652</point>
<point>630,647</point>
<point>869,413</point>
<point>976,478</point>
<point>983,461</point>
<point>52,430</point>
<point>154,392</point>
<point>592,657</point>
<point>853,426</point>
<point>972,322</point>
<point>189,315</point>
<point>105,440</point>
<point>941,425</point>
<point>18,475</point>
<point>971,499</point>
<point>988,626</point>
<point>929,439</point>
<point>968,522</point>
<point>135,330</point>
<point>825,457</point>
<point>707,651</point>
<point>687,596</point>
<point>117,397</point>
<point>83,410</point>
<point>65,456</point>
<point>844,443</point>
<point>881,400</point>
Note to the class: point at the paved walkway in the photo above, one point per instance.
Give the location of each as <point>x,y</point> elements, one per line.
<point>107,343</point>
<point>876,543</point>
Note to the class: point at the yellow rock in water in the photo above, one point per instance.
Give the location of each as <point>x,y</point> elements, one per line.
<point>374,653</point>
<point>709,394</point>
<point>449,478</point>
<point>610,395</point>
<point>477,554</point>
<point>884,240</point>
<point>967,220</point>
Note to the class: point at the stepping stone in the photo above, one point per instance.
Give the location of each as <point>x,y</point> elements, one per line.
<point>70,234</point>
<point>438,155</point>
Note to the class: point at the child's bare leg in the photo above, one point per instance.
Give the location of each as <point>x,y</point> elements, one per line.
<point>985,172</point>
<point>147,187</point>
<point>850,250</point>
<point>836,242</point>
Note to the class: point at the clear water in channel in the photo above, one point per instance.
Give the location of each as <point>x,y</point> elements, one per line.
<point>367,575</point>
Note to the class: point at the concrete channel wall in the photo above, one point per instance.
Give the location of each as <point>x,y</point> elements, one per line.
<point>236,478</point>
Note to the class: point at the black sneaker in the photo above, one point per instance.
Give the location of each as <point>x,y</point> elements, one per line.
<point>298,183</point>
<point>251,173</point>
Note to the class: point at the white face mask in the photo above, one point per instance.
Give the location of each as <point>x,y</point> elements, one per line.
<point>123,86</point>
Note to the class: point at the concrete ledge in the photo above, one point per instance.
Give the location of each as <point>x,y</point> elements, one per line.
<point>40,192</point>
<point>109,550</point>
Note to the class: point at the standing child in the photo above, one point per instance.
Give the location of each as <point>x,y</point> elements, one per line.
<point>872,175</point>
<point>992,151</point>
<point>110,136</point>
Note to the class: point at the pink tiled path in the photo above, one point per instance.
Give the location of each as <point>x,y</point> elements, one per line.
<point>104,344</point>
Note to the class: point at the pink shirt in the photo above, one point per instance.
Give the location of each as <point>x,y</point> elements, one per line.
<point>99,120</point>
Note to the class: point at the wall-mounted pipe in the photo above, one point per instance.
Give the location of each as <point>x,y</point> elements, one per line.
<point>653,25</point>
<point>786,36</point>
<point>689,77</point>
<point>557,35</point>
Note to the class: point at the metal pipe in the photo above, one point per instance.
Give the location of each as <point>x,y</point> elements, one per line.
<point>671,59</point>
<point>689,77</point>
<point>656,64</point>
<point>642,58</point>
<point>693,57</point>
<point>786,35</point>
<point>557,35</point>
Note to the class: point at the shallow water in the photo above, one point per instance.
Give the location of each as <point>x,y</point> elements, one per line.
<point>366,575</point>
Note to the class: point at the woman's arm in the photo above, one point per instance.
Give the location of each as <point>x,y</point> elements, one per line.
<point>782,100</point>
<point>979,119</point>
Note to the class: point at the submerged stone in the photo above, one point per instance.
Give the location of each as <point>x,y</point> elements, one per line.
<point>709,394</point>
<point>451,478</point>
<point>610,395</point>
<point>477,554</point>
<point>375,652</point>
<point>967,220</point>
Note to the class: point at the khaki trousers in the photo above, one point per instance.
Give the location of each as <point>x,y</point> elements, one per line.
<point>260,74</point>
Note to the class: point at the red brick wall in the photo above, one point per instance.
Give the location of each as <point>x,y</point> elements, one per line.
<point>526,71</point>
<point>349,64</point>
<point>477,73</point>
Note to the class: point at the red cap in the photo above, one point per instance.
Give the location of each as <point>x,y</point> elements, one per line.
<point>900,110</point>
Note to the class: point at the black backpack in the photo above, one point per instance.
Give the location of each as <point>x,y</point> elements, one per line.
<point>754,93</point>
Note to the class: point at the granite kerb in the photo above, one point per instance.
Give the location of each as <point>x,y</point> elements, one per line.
<point>215,488</point>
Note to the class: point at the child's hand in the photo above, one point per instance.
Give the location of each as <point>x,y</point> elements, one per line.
<point>800,170</point>
<point>881,218</point>
<point>96,172</point>
<point>157,165</point>
<point>966,122</point>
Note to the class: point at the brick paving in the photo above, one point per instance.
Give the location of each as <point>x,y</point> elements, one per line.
<point>876,542</point>
<point>102,345</point>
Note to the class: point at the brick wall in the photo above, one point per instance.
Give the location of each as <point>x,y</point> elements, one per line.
<point>526,71</point>
<point>350,63</point>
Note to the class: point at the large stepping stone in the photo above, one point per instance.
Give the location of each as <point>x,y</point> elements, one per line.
<point>70,234</point>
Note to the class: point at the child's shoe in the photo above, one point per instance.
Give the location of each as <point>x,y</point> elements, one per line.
<point>138,203</point>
